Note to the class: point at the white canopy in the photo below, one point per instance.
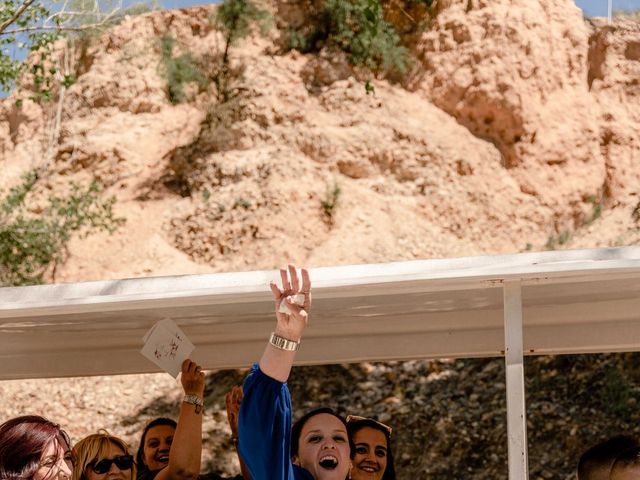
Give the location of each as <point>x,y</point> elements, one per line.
<point>573,302</point>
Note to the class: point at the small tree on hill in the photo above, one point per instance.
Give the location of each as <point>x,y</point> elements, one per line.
<point>234,19</point>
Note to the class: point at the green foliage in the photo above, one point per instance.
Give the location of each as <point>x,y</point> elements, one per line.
<point>615,394</point>
<point>557,240</point>
<point>34,25</point>
<point>597,206</point>
<point>179,71</point>
<point>18,31</point>
<point>31,245</point>
<point>297,40</point>
<point>188,164</point>
<point>369,88</point>
<point>234,19</point>
<point>357,27</point>
<point>329,203</point>
<point>241,202</point>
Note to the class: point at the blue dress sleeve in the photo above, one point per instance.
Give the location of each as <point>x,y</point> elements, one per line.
<point>264,427</point>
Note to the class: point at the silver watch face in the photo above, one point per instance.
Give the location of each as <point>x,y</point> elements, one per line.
<point>193,399</point>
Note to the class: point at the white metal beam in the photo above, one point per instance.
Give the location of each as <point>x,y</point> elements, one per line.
<point>514,360</point>
<point>573,302</point>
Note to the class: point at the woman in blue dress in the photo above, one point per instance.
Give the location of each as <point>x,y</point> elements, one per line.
<point>319,448</point>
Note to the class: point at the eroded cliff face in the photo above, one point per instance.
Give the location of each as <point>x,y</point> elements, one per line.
<point>614,80</point>
<point>519,122</point>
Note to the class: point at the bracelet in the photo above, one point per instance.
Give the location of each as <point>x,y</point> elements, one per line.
<point>194,400</point>
<point>284,343</point>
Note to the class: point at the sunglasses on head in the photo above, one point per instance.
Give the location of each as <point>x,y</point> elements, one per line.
<point>356,418</point>
<point>123,462</point>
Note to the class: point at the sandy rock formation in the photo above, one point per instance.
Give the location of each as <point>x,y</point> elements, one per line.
<point>518,128</point>
<point>614,80</point>
<point>522,119</point>
<point>515,73</point>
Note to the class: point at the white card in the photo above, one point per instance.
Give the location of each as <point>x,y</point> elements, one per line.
<point>297,299</point>
<point>167,346</point>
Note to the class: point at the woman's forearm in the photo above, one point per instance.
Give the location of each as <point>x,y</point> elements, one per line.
<point>186,448</point>
<point>277,363</point>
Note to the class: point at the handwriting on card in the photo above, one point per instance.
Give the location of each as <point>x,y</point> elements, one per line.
<point>167,346</point>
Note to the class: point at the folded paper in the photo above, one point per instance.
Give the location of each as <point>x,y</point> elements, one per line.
<point>167,346</point>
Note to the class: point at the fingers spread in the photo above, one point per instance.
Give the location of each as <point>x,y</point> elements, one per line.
<point>285,279</point>
<point>293,274</point>
<point>276,291</point>
<point>306,281</point>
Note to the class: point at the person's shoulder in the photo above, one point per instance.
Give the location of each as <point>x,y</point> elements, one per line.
<point>300,473</point>
<point>146,475</point>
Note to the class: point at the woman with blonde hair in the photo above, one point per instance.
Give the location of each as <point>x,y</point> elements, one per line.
<point>100,456</point>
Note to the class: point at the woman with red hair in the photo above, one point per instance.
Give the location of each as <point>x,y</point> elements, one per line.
<point>34,448</point>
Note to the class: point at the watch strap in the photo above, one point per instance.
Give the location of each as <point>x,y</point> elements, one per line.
<point>284,343</point>
<point>195,401</point>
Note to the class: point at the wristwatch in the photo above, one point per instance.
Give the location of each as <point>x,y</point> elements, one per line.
<point>195,401</point>
<point>284,343</point>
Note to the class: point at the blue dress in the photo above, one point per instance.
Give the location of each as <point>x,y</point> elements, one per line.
<point>264,429</point>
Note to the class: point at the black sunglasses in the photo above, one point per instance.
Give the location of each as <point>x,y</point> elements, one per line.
<point>123,462</point>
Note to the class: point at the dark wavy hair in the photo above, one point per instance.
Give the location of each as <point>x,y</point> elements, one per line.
<point>629,458</point>
<point>603,454</point>
<point>142,467</point>
<point>23,440</point>
<point>356,425</point>
<point>296,430</point>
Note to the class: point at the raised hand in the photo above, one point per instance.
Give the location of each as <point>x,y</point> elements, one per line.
<point>291,326</point>
<point>233,399</point>
<point>192,378</point>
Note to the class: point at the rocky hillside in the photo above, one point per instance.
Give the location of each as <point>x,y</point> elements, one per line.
<point>515,129</point>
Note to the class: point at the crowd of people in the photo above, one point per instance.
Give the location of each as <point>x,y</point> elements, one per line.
<point>321,445</point>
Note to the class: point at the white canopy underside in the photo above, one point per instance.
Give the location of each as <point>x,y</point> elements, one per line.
<point>573,302</point>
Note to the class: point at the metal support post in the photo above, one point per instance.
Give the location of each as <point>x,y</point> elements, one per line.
<point>516,410</point>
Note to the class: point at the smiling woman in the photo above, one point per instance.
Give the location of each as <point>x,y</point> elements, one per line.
<point>33,448</point>
<point>372,457</point>
<point>155,444</point>
<point>172,450</point>
<point>101,455</point>
<point>317,447</point>
<point>320,444</point>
